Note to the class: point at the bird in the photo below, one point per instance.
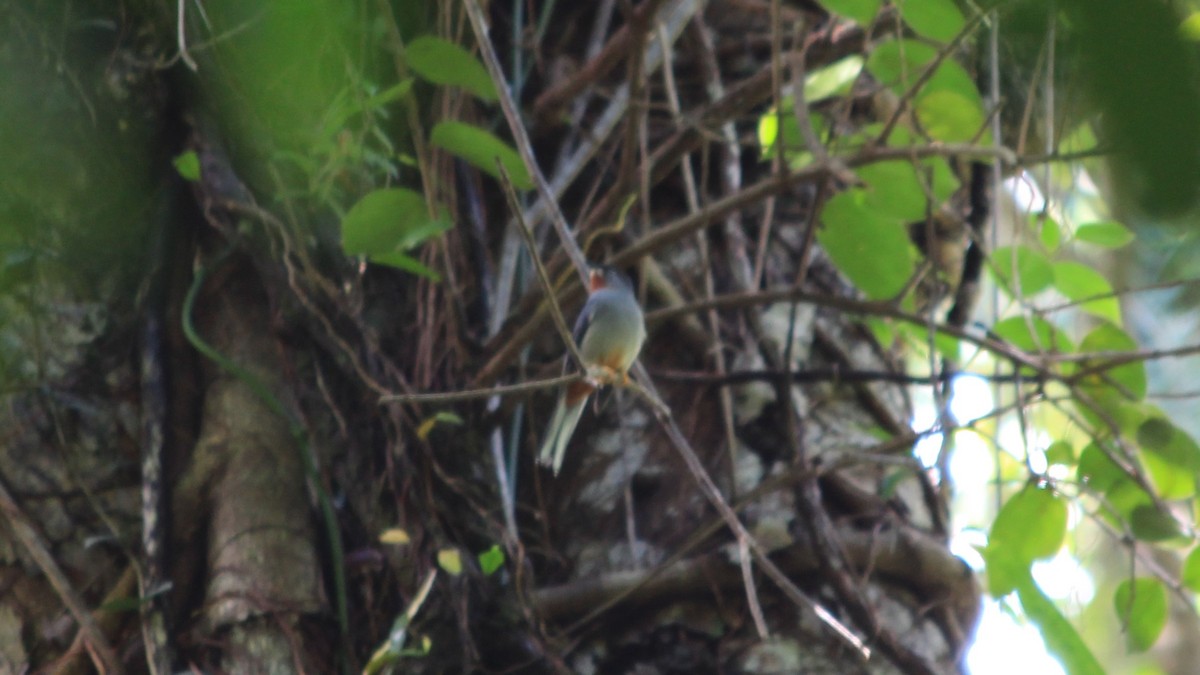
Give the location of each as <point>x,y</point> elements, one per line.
<point>610,331</point>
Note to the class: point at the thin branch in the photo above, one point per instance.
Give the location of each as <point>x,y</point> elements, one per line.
<point>521,137</point>
<point>555,311</point>
<point>469,394</point>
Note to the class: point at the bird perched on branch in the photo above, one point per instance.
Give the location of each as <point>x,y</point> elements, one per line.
<point>609,331</point>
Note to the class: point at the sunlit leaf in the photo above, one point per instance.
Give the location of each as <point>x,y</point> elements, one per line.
<point>834,79</point>
<point>1190,576</point>
<point>949,116</point>
<point>1031,524</point>
<point>861,11</point>
<point>1107,233</point>
<point>442,417</point>
<point>874,252</point>
<point>1033,272</point>
<point>1109,338</point>
<point>1190,27</point>
<point>1060,452</point>
<point>1079,282</point>
<point>1141,605</point>
<point>1097,469</point>
<point>1060,636</point>
<point>1048,231</point>
<point>1032,334</point>
<point>394,535</point>
<point>481,149</point>
<point>491,559</point>
<point>443,62</point>
<point>450,560</point>
<point>188,165</point>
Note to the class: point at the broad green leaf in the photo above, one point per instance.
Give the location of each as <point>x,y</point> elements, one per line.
<point>443,62</point>
<point>1034,272</point>
<point>491,560</point>
<point>1148,523</point>
<point>388,220</point>
<point>403,261</point>
<point>942,179</point>
<point>898,64</point>
<point>188,165</point>
<point>1048,231</point>
<point>955,113</point>
<point>481,149</point>
<point>1078,282</point>
<point>1060,636</point>
<point>1031,525</point>
<point>1155,433</point>
<point>1191,570</point>
<point>1032,334</point>
<point>937,19</point>
<point>1109,338</point>
<point>1170,480</point>
<point>873,251</point>
<point>1097,469</point>
<point>834,79</point>
<point>795,149</point>
<point>893,190</point>
<point>1106,233</point>
<point>1060,452</point>
<point>1170,456</point>
<point>861,11</point>
<point>1141,605</point>
<point>950,117</point>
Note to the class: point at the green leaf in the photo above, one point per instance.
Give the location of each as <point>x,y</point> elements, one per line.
<point>943,181</point>
<point>1078,282</point>
<point>955,111</point>
<point>862,11</point>
<point>1060,452</point>
<point>389,220</point>
<point>403,261</point>
<point>1031,524</point>
<point>1060,636</point>
<point>1098,470</point>
<point>898,64</point>
<point>834,79</point>
<point>1191,570</point>
<point>1106,233</point>
<point>937,19</point>
<point>873,251</point>
<point>950,117</point>
<point>1048,230</point>
<point>188,165</point>
<point>1032,334</point>
<point>1109,338</point>
<point>893,190</point>
<point>1034,272</point>
<point>450,560</point>
<point>481,149</point>
<point>1148,523</point>
<point>491,560</point>
<point>1141,605</point>
<point>1171,457</point>
<point>443,62</point>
